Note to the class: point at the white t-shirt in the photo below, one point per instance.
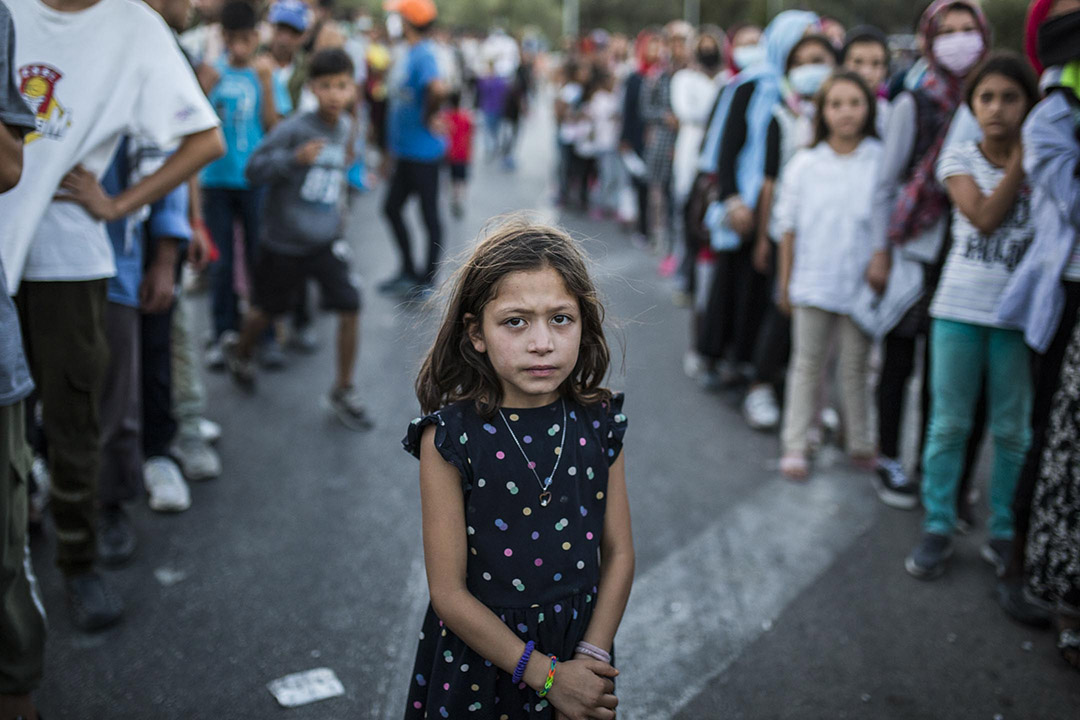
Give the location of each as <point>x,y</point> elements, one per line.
<point>979,265</point>
<point>90,77</point>
<point>825,200</point>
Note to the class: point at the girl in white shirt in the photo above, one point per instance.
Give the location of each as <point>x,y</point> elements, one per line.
<point>824,215</point>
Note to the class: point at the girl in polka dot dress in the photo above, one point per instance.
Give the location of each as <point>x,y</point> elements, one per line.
<point>525,515</point>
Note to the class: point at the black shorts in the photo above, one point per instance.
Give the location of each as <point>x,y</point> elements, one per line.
<point>459,171</point>
<point>279,279</point>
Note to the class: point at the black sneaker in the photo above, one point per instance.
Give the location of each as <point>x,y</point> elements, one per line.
<point>928,560</point>
<point>996,551</point>
<point>345,402</point>
<point>242,371</point>
<point>115,538</point>
<point>1010,596</point>
<point>892,485</point>
<point>93,605</point>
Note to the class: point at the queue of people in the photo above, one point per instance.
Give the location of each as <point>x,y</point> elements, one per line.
<point>834,213</point>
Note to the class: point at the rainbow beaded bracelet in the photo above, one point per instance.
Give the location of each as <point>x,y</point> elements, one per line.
<point>550,678</point>
<point>523,662</point>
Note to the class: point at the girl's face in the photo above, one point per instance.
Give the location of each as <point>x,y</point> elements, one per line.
<point>845,110</point>
<point>999,104</point>
<point>869,60</point>
<point>531,334</point>
<point>957,20</point>
<point>812,53</point>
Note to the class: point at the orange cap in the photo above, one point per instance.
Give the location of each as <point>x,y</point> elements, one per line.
<point>415,12</point>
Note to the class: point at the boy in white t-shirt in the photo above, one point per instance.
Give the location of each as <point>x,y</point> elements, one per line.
<point>91,71</point>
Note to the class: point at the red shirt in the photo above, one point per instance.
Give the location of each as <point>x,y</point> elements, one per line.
<point>461,131</point>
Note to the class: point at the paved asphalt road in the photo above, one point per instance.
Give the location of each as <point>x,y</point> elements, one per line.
<point>754,598</point>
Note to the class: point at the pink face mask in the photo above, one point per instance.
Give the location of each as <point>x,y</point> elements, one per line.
<point>958,52</point>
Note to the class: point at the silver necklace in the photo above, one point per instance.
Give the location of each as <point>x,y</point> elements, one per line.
<point>545,484</point>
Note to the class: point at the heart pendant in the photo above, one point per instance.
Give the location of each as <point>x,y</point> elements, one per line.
<point>545,498</point>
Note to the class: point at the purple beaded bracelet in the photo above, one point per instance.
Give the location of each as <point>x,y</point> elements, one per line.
<point>520,671</point>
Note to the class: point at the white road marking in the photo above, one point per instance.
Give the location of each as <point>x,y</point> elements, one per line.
<point>393,684</point>
<point>691,615</point>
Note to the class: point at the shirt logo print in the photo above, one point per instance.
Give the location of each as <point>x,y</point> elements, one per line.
<point>37,85</point>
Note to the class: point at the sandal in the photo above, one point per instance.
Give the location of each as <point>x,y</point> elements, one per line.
<point>794,466</point>
<point>1069,645</point>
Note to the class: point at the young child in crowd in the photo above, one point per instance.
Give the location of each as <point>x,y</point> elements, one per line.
<point>601,111</point>
<point>866,53</point>
<point>303,161</point>
<point>522,482</point>
<point>249,101</point>
<point>823,214</point>
<point>459,153</point>
<point>992,228</point>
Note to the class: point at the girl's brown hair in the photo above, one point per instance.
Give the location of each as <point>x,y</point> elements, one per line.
<point>821,130</point>
<point>453,370</point>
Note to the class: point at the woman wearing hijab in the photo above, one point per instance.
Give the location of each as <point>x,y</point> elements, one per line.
<point>734,151</point>
<point>908,225</point>
<point>1044,299</point>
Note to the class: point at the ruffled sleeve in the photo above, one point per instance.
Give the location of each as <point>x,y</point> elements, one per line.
<point>450,439</point>
<point>616,428</point>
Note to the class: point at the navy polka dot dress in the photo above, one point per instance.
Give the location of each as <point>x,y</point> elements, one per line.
<point>536,567</point>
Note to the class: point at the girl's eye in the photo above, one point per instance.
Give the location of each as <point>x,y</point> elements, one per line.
<point>562,320</point>
<point>514,322</point>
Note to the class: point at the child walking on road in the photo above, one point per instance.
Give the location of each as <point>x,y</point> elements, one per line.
<point>303,161</point>
<point>522,482</point>
<point>823,216</point>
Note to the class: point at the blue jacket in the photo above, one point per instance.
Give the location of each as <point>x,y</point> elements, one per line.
<point>1034,298</point>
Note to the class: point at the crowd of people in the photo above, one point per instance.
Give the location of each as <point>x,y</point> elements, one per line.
<point>827,205</point>
<point>217,146</point>
<point>834,208</point>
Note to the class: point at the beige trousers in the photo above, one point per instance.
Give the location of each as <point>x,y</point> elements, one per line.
<point>812,331</point>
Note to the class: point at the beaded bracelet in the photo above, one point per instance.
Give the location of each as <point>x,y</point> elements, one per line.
<point>550,678</point>
<point>594,652</point>
<point>520,671</point>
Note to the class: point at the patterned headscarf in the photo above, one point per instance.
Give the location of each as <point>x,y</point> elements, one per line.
<point>922,200</point>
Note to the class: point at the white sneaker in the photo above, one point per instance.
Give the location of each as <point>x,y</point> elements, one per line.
<point>165,485</point>
<point>761,409</point>
<point>196,458</point>
<point>209,430</point>
<point>215,357</point>
<point>692,364</point>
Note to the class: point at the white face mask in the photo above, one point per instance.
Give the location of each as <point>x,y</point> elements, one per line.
<point>394,26</point>
<point>958,52</point>
<point>808,79</point>
<point>748,55</point>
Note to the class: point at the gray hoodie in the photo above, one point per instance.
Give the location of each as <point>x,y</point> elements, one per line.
<point>304,205</point>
